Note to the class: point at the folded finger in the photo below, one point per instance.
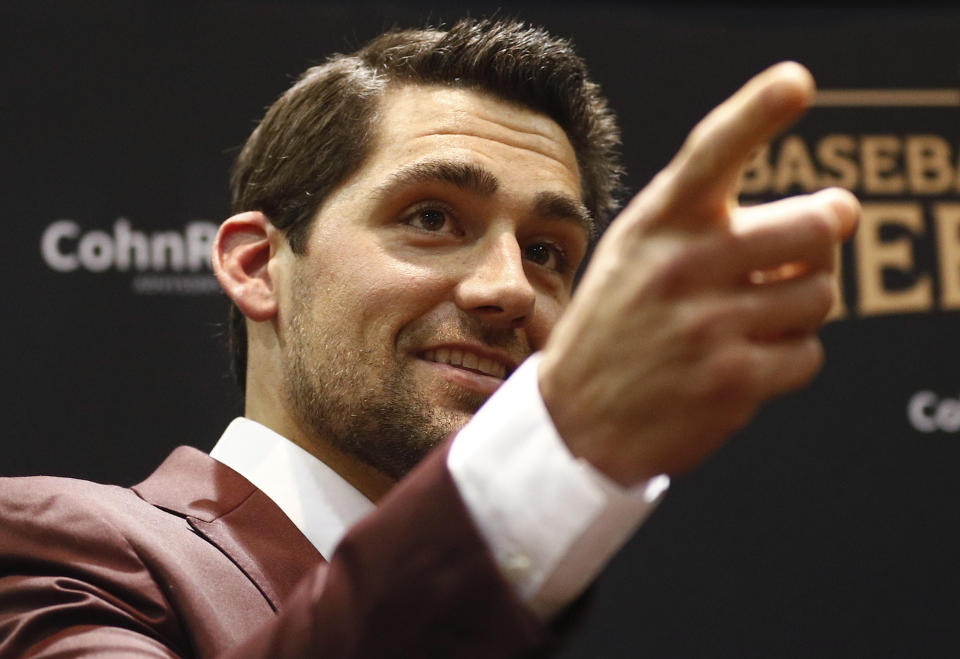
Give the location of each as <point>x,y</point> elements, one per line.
<point>790,308</point>
<point>799,231</point>
<point>785,365</point>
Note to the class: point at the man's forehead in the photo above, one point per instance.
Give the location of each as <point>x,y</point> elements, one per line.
<point>412,112</point>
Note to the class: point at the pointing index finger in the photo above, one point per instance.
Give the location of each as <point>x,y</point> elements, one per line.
<point>706,171</point>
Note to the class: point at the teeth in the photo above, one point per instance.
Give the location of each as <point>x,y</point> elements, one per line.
<point>485,366</point>
<point>465,359</point>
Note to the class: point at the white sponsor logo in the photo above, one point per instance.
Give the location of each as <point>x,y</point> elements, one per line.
<point>66,249</point>
<point>928,412</point>
<point>162,260</point>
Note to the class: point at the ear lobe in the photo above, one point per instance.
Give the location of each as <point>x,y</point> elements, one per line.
<point>241,252</point>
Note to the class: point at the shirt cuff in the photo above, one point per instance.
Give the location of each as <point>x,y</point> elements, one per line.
<point>552,520</point>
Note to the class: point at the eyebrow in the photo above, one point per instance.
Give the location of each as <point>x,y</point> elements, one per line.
<point>556,206</point>
<point>468,176</point>
<point>480,181</point>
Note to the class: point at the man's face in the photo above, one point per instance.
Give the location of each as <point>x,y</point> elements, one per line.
<point>430,274</point>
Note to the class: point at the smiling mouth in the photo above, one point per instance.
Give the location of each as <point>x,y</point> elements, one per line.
<point>466,360</point>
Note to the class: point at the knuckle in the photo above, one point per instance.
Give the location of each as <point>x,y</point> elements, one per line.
<point>729,245</point>
<point>703,326</point>
<point>821,227</point>
<point>684,262</point>
<point>735,416</point>
<point>674,276</point>
<point>822,293</point>
<point>696,139</point>
<point>676,269</point>
<point>805,362</point>
<point>843,203</point>
<point>697,332</point>
<point>730,376</point>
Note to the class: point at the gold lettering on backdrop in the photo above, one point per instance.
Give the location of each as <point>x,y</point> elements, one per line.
<point>948,246</point>
<point>794,167</point>
<point>874,256</point>
<point>756,176</point>
<point>837,153</point>
<point>876,98</point>
<point>880,167</point>
<point>928,164</point>
<point>885,165</point>
<point>891,174</point>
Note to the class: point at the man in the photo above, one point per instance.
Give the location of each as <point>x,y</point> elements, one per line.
<point>410,221</point>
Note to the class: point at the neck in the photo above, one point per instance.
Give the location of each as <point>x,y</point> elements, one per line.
<point>370,482</point>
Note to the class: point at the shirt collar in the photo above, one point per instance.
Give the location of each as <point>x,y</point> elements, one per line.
<point>315,498</point>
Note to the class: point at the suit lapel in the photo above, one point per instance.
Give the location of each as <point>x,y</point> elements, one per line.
<point>236,517</point>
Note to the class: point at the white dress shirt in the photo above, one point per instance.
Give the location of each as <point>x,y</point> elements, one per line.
<point>552,521</point>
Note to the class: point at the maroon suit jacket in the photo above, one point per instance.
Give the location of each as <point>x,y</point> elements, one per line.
<point>197,562</point>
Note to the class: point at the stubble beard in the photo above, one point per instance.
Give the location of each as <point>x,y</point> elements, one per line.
<point>365,406</point>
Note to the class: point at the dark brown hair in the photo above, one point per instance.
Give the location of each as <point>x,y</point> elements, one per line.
<point>319,131</point>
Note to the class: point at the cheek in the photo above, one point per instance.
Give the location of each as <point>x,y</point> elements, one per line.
<point>396,292</point>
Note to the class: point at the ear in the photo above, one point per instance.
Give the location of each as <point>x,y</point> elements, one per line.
<point>241,252</point>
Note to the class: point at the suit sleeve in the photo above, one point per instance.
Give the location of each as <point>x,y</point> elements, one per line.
<point>413,579</point>
<point>66,592</point>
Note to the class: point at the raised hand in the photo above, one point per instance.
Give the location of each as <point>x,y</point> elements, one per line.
<point>694,310</point>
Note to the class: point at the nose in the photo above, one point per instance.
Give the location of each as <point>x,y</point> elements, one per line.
<point>495,287</point>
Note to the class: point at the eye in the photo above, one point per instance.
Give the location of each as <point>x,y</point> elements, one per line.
<point>433,219</point>
<point>429,219</point>
<point>547,255</point>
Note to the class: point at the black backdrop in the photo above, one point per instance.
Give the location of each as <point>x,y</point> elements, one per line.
<point>827,529</point>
